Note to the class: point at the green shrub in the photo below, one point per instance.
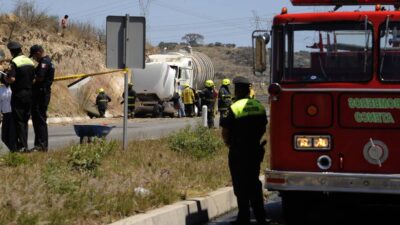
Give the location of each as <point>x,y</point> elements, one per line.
<point>13,159</point>
<point>199,142</point>
<point>26,218</point>
<point>55,177</point>
<point>87,157</point>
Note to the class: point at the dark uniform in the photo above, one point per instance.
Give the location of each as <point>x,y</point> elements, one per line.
<point>246,123</point>
<point>102,101</point>
<point>224,100</point>
<point>208,96</point>
<point>131,102</point>
<point>23,69</point>
<point>44,74</point>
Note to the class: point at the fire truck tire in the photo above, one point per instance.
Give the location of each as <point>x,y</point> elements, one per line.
<point>294,207</point>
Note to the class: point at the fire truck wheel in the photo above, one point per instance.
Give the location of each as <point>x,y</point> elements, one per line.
<point>294,207</point>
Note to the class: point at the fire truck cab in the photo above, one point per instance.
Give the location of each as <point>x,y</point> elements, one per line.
<point>334,102</point>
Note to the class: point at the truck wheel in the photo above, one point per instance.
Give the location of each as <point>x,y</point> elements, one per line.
<point>294,207</point>
<point>157,111</point>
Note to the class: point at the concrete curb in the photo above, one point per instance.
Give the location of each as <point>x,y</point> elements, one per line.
<point>190,212</point>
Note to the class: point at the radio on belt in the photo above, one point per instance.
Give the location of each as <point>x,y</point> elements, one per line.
<point>345,2</point>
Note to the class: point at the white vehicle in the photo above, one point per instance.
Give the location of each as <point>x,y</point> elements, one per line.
<point>164,75</point>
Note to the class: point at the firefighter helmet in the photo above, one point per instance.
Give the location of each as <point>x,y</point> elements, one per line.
<point>101,90</point>
<point>226,81</point>
<point>209,83</point>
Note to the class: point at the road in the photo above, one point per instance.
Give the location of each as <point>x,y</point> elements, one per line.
<point>142,128</point>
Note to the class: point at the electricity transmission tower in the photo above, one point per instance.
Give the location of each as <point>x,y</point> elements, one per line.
<point>144,7</point>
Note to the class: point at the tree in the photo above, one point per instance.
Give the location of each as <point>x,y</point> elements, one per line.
<point>193,39</point>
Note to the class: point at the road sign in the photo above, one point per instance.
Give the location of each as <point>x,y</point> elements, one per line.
<point>126,38</point>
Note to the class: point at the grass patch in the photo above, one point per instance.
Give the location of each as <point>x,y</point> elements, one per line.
<point>199,142</point>
<point>14,159</point>
<point>99,183</point>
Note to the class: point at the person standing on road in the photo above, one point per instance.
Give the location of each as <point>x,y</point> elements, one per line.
<point>41,92</point>
<point>242,129</point>
<point>20,76</point>
<point>224,98</point>
<point>208,97</point>
<point>188,100</point>
<point>102,101</point>
<point>131,100</point>
<point>8,134</point>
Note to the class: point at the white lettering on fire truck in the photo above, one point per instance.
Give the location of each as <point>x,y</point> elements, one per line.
<point>373,117</point>
<point>374,103</point>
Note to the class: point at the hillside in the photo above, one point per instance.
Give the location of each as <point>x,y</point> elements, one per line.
<point>82,50</point>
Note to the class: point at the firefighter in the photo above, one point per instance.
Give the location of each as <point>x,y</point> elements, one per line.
<point>224,97</point>
<point>188,100</point>
<point>252,92</point>
<point>20,76</point>
<point>41,92</point>
<point>131,100</point>
<point>242,129</point>
<point>102,101</point>
<point>208,97</point>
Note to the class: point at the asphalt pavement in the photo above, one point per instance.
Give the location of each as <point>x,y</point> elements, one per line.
<point>61,135</point>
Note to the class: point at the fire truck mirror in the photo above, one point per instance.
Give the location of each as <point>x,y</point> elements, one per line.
<point>260,54</point>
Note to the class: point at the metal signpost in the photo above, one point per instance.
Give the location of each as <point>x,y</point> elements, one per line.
<point>126,38</point>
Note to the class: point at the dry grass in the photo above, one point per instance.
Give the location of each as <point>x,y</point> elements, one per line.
<point>43,189</point>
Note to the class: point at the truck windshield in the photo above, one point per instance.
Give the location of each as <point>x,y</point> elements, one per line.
<point>325,52</point>
<point>390,51</point>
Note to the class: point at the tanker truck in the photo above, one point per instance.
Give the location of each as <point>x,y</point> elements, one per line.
<point>164,75</point>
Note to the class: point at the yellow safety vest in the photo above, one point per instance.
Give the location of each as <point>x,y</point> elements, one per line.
<point>247,107</point>
<point>188,96</point>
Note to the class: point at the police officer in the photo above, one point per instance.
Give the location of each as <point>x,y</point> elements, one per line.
<point>242,130</point>
<point>208,97</point>
<point>102,101</point>
<point>44,76</point>
<point>224,97</point>
<point>20,76</point>
<point>131,100</point>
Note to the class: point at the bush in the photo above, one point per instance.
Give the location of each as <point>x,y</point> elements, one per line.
<point>199,142</point>
<point>87,157</point>
<point>13,160</point>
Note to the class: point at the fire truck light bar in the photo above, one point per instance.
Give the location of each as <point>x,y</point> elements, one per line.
<point>345,2</point>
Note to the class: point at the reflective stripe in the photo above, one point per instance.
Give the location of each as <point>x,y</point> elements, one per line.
<point>247,107</point>
<point>22,61</point>
<point>103,100</point>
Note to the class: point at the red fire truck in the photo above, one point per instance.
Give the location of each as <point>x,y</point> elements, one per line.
<point>334,102</point>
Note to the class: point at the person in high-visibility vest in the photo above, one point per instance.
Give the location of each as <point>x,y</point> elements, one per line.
<point>188,100</point>
<point>224,97</point>
<point>20,76</point>
<point>242,130</point>
<point>131,100</point>
<point>252,92</point>
<point>102,101</point>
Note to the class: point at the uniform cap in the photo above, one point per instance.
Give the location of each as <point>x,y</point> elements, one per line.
<point>12,45</point>
<point>34,49</point>
<point>241,80</point>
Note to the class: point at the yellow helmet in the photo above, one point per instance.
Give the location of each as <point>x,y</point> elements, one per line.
<point>226,81</point>
<point>130,84</point>
<point>186,85</point>
<point>101,90</point>
<point>209,83</point>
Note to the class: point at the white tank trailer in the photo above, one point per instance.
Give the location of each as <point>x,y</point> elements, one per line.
<point>164,75</point>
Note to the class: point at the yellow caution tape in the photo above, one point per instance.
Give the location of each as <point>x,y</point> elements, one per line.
<point>79,76</point>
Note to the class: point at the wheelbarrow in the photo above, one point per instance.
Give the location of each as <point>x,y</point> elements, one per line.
<point>89,131</point>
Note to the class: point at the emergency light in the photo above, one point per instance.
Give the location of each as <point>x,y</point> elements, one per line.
<point>345,2</point>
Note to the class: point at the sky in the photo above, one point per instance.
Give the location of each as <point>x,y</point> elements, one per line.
<point>225,21</point>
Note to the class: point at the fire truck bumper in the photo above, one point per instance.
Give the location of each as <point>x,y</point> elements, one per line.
<point>332,182</point>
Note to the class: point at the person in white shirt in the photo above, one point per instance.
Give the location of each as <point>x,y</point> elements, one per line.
<point>8,135</point>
